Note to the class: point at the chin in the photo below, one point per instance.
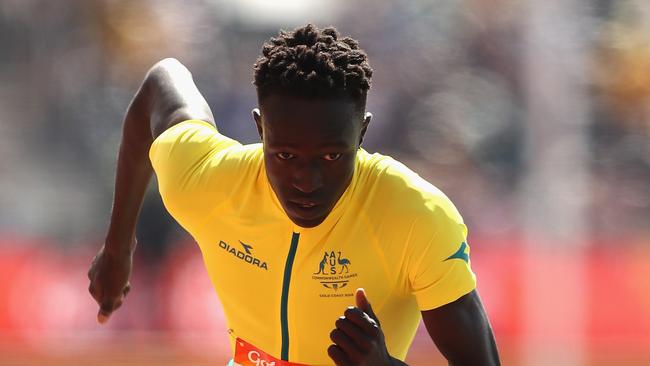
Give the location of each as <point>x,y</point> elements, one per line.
<point>307,223</point>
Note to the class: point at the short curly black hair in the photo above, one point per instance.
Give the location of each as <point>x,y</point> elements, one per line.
<point>312,62</point>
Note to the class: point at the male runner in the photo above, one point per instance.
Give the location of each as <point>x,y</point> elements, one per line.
<point>289,228</point>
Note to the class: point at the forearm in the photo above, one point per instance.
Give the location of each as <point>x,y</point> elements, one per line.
<point>133,173</point>
<point>132,178</point>
<point>462,332</point>
<point>167,96</point>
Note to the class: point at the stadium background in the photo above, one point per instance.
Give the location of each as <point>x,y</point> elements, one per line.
<point>533,116</point>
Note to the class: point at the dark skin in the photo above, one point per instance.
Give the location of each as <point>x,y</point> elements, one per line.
<point>309,151</point>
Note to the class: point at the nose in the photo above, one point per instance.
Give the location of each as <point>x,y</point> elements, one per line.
<point>308,177</point>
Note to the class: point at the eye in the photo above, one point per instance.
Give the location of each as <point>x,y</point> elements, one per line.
<point>284,156</point>
<point>332,156</point>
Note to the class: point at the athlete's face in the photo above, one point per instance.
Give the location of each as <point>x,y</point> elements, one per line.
<point>310,148</point>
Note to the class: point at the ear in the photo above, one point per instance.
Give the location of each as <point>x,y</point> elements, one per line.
<point>257,116</point>
<point>364,126</point>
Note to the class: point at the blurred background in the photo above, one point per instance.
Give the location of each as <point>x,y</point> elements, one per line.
<point>533,116</point>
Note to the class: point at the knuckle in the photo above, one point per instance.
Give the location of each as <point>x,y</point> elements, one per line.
<point>117,304</point>
<point>374,329</point>
<point>334,335</point>
<point>95,297</point>
<point>337,336</point>
<point>351,312</point>
<point>95,293</point>
<point>335,354</point>
<point>372,322</point>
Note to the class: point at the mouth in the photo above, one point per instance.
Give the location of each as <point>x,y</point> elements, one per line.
<point>304,204</point>
<point>306,212</point>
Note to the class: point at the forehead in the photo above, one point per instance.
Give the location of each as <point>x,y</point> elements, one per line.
<point>296,120</point>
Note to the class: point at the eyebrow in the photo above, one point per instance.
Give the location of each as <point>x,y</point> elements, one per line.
<point>335,145</point>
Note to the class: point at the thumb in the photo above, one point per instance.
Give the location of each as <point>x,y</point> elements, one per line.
<point>363,304</point>
<point>105,310</point>
<point>102,316</point>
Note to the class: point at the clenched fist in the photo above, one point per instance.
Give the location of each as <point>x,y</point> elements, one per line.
<point>358,338</point>
<point>109,280</point>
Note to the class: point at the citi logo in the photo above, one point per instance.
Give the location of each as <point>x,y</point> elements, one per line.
<point>246,255</point>
<point>256,358</point>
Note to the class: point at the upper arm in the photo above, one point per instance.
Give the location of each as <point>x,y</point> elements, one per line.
<point>173,96</point>
<point>438,260</point>
<point>462,332</point>
<point>197,168</point>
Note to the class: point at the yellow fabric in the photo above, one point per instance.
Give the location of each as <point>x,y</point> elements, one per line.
<point>391,232</point>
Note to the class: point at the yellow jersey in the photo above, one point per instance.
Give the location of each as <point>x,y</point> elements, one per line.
<point>282,286</point>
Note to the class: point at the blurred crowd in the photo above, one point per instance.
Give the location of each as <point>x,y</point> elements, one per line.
<point>450,98</point>
<point>532,116</point>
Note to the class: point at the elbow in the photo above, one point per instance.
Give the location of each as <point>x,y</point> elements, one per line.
<point>161,75</point>
<point>167,64</point>
<point>165,68</point>
<point>168,61</point>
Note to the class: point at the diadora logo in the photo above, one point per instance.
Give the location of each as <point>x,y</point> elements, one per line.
<point>246,255</point>
<point>334,273</point>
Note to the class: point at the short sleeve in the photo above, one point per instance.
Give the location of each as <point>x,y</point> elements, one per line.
<point>191,164</point>
<point>439,267</point>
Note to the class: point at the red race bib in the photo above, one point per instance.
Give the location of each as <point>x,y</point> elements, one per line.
<point>248,355</point>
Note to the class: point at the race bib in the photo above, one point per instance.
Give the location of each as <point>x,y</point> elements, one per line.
<point>248,355</point>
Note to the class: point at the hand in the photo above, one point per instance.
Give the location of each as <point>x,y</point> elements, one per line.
<point>109,281</point>
<point>358,337</point>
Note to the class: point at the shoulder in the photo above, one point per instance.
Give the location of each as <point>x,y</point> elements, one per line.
<point>199,139</point>
<point>399,190</point>
<point>194,155</point>
<point>191,132</point>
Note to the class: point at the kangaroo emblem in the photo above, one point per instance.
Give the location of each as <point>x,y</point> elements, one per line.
<point>321,266</point>
<point>343,262</point>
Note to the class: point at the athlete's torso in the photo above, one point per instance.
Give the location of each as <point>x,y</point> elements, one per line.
<point>273,266</point>
<point>282,286</point>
